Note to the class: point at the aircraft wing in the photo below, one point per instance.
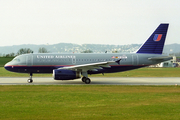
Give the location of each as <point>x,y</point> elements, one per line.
<point>91,66</point>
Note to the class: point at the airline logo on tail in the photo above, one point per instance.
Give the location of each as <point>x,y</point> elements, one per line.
<point>157,37</point>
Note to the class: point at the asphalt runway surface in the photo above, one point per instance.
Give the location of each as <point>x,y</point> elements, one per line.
<point>94,81</point>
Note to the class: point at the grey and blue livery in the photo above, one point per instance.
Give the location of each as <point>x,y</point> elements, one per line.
<point>73,66</point>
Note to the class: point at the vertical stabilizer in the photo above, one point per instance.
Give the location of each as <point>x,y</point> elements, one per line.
<point>155,43</point>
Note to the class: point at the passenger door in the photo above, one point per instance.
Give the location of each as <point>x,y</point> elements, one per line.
<point>29,60</point>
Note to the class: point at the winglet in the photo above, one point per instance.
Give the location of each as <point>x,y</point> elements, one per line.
<point>155,43</point>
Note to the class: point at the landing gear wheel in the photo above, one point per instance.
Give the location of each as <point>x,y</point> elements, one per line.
<point>87,81</point>
<point>83,79</point>
<point>29,80</point>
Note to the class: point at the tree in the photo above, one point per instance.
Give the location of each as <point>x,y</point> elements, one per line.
<point>87,51</point>
<point>114,51</point>
<point>10,55</point>
<point>24,51</point>
<point>42,50</point>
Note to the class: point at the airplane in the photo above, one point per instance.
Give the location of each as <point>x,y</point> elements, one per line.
<point>80,65</point>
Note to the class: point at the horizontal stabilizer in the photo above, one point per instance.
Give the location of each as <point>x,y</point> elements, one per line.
<point>161,58</point>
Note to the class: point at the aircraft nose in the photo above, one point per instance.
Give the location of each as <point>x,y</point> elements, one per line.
<point>7,66</point>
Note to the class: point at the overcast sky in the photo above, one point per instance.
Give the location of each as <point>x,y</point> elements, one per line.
<point>116,22</point>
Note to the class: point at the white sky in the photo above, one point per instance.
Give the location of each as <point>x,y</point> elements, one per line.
<point>116,22</point>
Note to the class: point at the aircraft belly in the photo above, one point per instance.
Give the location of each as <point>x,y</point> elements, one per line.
<point>31,69</point>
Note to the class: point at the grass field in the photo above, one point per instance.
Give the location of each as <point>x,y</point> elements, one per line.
<point>4,60</point>
<point>89,102</point>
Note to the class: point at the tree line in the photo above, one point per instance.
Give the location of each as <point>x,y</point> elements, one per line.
<point>25,51</point>
<point>28,50</point>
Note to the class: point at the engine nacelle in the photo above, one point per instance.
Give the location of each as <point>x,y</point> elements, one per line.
<point>64,74</point>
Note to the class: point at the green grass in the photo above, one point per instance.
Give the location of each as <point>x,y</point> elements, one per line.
<point>92,102</point>
<point>4,60</point>
<point>89,102</point>
<point>142,72</point>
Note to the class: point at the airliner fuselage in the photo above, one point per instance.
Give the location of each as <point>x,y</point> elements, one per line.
<point>46,63</point>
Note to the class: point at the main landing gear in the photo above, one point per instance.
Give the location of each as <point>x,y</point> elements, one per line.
<point>86,80</point>
<point>30,80</point>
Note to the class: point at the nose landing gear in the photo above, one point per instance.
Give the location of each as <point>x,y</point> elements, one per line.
<point>30,80</point>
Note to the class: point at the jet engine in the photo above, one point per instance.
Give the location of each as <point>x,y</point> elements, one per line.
<point>64,74</point>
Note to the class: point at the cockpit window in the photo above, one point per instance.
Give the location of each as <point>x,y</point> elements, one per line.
<point>16,59</point>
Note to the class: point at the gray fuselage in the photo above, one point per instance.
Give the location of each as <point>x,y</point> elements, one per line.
<point>45,63</point>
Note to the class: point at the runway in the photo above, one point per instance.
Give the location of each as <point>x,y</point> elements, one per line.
<point>94,81</point>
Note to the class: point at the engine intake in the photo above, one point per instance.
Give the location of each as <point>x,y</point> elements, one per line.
<point>64,74</point>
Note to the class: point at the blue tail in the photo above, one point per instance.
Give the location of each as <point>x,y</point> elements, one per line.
<point>155,43</point>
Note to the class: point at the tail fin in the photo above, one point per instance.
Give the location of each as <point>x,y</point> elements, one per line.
<point>155,43</point>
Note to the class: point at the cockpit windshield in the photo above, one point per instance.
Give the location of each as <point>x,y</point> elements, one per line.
<point>16,59</point>
<point>19,60</point>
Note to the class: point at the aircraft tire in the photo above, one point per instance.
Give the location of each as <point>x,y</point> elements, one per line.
<point>29,80</point>
<point>87,81</point>
<point>83,79</point>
